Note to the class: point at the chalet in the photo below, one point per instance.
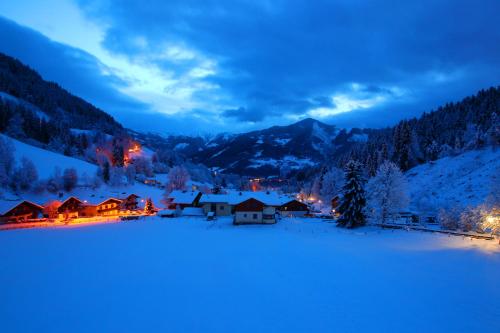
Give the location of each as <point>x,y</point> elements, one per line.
<point>75,208</point>
<point>294,208</point>
<point>109,207</point>
<point>183,199</point>
<point>130,202</point>
<point>253,211</point>
<point>20,211</point>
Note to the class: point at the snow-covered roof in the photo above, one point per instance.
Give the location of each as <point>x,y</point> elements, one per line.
<point>269,198</point>
<point>192,211</point>
<point>183,197</point>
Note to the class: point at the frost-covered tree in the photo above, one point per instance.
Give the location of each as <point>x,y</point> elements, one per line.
<point>70,179</point>
<point>353,200</point>
<point>177,178</point>
<point>15,126</point>
<point>332,183</point>
<point>7,160</point>
<point>117,177</point>
<point>54,183</point>
<point>433,150</point>
<point>449,218</point>
<point>130,174</point>
<point>25,175</point>
<point>143,166</point>
<point>493,133</point>
<point>471,218</point>
<point>387,192</point>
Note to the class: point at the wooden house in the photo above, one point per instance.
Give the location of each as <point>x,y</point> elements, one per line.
<point>253,211</point>
<point>130,202</point>
<point>294,208</point>
<point>17,212</point>
<point>75,208</point>
<point>109,207</point>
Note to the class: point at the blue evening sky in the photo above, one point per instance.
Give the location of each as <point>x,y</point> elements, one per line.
<point>193,67</point>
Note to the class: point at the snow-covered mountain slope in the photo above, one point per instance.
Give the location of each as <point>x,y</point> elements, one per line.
<point>462,180</point>
<point>45,161</point>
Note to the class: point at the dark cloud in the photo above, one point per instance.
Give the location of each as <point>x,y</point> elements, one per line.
<point>275,56</point>
<point>75,70</point>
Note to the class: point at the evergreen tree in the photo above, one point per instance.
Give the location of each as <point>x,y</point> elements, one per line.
<point>148,207</point>
<point>118,155</point>
<point>353,197</point>
<point>7,160</point>
<point>105,171</point>
<point>70,179</point>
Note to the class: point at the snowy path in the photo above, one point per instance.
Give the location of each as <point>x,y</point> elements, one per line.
<point>180,276</point>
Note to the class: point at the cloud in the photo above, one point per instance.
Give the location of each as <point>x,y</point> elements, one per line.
<point>240,64</point>
<point>274,58</point>
<point>77,71</point>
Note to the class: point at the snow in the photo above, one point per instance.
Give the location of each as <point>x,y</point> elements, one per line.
<point>358,138</point>
<point>462,180</point>
<point>181,146</point>
<point>190,275</point>
<point>12,99</point>
<point>232,197</point>
<point>45,161</point>
<point>288,160</point>
<point>282,141</point>
<point>183,197</point>
<point>77,131</point>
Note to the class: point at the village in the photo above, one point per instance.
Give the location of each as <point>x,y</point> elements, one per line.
<point>246,207</point>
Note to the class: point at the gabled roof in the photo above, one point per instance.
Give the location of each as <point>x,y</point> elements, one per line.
<point>7,206</point>
<point>183,197</point>
<point>110,199</point>
<point>270,198</point>
<point>250,205</point>
<point>70,199</point>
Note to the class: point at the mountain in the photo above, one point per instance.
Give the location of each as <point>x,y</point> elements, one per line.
<point>25,87</point>
<point>272,151</point>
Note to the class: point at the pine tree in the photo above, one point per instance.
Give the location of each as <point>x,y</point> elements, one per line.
<point>148,207</point>
<point>353,197</point>
<point>105,172</point>
<point>118,155</point>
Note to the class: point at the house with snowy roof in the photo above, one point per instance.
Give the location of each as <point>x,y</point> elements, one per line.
<point>253,211</point>
<point>271,202</point>
<point>75,208</point>
<point>182,199</point>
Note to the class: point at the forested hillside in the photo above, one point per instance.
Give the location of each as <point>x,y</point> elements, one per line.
<point>449,130</point>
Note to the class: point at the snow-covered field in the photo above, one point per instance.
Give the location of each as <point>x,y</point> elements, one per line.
<point>187,275</point>
<point>45,161</point>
